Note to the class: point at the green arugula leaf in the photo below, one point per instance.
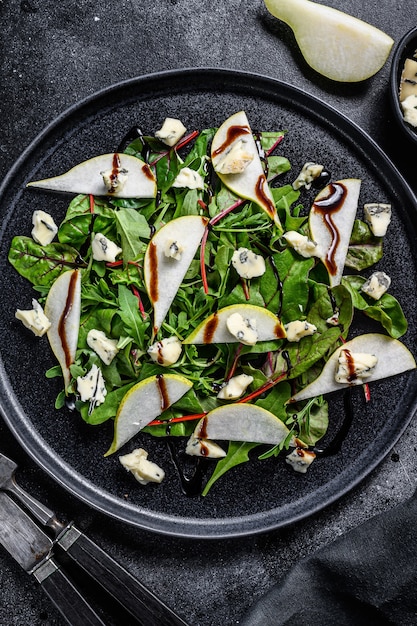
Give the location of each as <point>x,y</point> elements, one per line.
<point>131,317</point>
<point>312,420</point>
<point>237,454</point>
<point>284,198</point>
<point>133,229</point>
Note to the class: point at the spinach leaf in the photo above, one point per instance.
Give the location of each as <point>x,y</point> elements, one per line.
<point>364,249</point>
<point>331,304</point>
<point>276,400</point>
<point>304,354</point>
<point>277,165</point>
<point>387,310</point>
<point>293,275</point>
<point>200,149</point>
<point>79,222</point>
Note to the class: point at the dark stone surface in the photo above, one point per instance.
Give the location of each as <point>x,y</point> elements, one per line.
<point>53,54</point>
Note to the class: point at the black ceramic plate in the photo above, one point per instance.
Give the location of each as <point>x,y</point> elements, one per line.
<point>256,496</point>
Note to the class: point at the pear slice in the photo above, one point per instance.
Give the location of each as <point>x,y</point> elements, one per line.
<point>242,422</point>
<point>331,220</point>
<point>214,328</point>
<point>62,308</point>
<point>143,403</point>
<point>167,259</point>
<point>250,184</point>
<point>393,358</point>
<point>335,44</point>
<point>87,178</point>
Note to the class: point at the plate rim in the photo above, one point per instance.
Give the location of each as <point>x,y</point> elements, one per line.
<point>202,528</point>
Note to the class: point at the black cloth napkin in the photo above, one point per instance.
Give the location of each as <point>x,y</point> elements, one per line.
<point>366,577</point>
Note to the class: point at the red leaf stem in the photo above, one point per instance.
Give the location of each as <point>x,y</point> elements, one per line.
<point>176,420</point>
<point>213,221</point>
<point>202,264</point>
<point>245,287</point>
<point>120,262</point>
<point>140,303</point>
<point>225,212</point>
<point>196,416</point>
<point>265,387</point>
<point>91,198</point>
<point>178,146</point>
<point>235,362</point>
<point>187,139</point>
<point>272,148</point>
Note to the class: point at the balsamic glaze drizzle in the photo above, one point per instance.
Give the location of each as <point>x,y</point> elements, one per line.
<point>261,152</point>
<point>70,402</point>
<point>322,180</point>
<point>132,134</point>
<point>285,355</point>
<point>191,485</point>
<point>335,445</point>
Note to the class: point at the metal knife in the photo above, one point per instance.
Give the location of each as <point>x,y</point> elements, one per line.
<point>32,549</point>
<point>135,597</point>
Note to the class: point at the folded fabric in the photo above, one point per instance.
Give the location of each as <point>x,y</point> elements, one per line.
<point>366,577</point>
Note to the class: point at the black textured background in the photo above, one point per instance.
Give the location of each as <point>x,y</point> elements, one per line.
<point>53,54</point>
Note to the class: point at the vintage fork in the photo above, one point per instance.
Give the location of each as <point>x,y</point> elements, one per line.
<point>129,592</point>
<point>41,512</point>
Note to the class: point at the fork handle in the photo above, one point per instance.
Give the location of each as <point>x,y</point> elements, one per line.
<point>73,607</point>
<point>137,599</point>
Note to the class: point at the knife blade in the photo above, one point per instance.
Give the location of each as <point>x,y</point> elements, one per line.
<point>33,550</point>
<point>27,544</point>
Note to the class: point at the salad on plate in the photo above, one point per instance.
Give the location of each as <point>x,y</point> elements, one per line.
<point>191,296</point>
